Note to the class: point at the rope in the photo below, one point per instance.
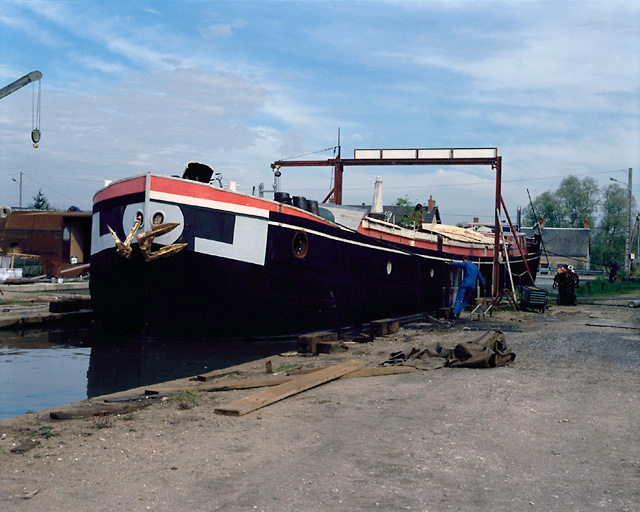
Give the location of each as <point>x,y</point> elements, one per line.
<point>307,154</point>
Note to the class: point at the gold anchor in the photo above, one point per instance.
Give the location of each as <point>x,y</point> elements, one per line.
<point>145,240</point>
<point>124,248</point>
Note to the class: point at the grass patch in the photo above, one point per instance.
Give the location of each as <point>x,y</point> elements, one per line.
<point>285,367</point>
<point>603,288</point>
<point>15,302</point>
<point>100,422</point>
<point>187,399</point>
<point>46,432</point>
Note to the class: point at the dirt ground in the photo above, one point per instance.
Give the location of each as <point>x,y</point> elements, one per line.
<point>557,429</point>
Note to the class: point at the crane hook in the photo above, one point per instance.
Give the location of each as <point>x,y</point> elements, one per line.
<point>35,137</point>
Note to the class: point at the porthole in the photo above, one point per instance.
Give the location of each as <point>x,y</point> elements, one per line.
<point>300,244</point>
<point>389,268</point>
<point>432,272</point>
<point>158,218</point>
<point>140,217</point>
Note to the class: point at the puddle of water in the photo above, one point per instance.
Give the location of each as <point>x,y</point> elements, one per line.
<point>43,368</point>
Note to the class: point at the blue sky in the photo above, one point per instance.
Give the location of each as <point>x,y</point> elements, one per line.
<point>130,87</point>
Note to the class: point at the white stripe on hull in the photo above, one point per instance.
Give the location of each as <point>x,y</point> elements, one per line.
<point>249,242</point>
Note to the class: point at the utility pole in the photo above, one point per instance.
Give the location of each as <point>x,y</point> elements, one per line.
<point>627,241</point>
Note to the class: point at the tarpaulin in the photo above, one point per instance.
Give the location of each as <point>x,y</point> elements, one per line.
<point>488,351</point>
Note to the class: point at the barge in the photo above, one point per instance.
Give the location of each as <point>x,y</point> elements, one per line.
<point>182,256</point>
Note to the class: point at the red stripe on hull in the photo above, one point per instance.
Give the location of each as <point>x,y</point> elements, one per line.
<point>121,188</point>
<point>206,192</point>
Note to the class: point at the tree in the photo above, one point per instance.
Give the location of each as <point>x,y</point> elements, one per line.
<point>568,206</point>
<point>546,205</point>
<point>40,202</point>
<point>579,200</point>
<point>609,238</point>
<point>410,216</point>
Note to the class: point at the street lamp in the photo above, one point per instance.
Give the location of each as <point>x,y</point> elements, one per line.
<point>627,240</point>
<point>20,183</point>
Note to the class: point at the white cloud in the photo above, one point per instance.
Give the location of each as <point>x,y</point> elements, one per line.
<point>217,31</point>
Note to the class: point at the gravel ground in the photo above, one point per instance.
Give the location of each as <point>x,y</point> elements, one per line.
<point>557,429</point>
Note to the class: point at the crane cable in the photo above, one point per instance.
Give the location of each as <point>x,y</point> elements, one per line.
<point>35,115</point>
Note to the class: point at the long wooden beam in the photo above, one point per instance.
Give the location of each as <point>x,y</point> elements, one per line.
<point>269,382</point>
<point>256,401</point>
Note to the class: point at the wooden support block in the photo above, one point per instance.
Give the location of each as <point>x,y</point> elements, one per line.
<point>268,366</point>
<point>444,312</point>
<point>384,327</point>
<point>66,305</point>
<point>329,347</point>
<point>299,384</point>
<point>307,342</point>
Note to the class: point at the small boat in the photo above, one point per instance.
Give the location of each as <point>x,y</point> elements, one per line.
<point>182,256</point>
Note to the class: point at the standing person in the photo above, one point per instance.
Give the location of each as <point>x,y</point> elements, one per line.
<point>468,284</point>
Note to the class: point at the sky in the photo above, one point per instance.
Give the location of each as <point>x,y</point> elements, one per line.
<point>130,87</point>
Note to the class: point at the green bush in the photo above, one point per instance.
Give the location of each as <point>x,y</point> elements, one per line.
<point>30,267</point>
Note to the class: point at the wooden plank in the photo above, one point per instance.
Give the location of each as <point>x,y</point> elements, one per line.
<point>216,374</point>
<point>223,386</point>
<point>615,326</point>
<point>26,446</point>
<point>269,396</point>
<point>270,382</point>
<point>97,410</point>
<point>367,372</point>
<point>375,371</point>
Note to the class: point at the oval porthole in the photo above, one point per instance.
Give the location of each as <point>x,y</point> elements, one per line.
<point>141,217</point>
<point>300,244</point>
<point>158,218</point>
<point>389,268</point>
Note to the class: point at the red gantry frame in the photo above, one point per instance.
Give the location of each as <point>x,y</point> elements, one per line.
<point>439,156</point>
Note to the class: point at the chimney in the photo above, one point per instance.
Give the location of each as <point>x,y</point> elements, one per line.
<point>376,206</point>
<point>430,203</point>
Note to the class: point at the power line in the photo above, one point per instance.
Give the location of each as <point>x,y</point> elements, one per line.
<point>51,189</point>
<point>65,178</point>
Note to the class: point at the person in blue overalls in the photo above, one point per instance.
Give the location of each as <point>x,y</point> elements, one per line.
<point>468,285</point>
